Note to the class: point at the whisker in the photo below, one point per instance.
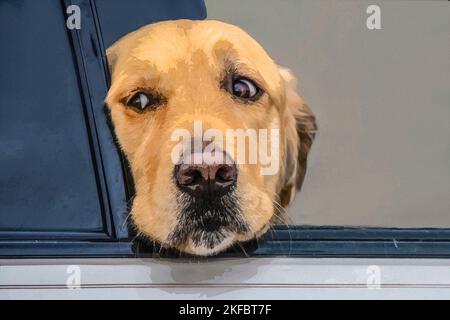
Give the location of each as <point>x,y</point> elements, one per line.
<point>242,248</point>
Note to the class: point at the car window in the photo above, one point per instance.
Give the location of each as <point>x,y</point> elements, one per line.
<point>47,177</point>
<point>377,178</point>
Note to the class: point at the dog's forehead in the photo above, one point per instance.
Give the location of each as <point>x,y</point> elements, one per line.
<point>166,45</point>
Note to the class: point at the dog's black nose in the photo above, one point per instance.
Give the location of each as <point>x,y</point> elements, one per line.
<point>207,179</point>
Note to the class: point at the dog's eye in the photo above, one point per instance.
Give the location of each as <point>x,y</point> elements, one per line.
<point>245,89</point>
<point>142,100</point>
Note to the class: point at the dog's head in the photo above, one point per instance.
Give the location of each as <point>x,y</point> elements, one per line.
<point>215,133</point>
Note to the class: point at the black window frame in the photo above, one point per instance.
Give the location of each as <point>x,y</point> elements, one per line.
<point>117,189</point>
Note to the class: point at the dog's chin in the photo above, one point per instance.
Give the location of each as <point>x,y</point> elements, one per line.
<point>208,226</point>
<point>204,248</point>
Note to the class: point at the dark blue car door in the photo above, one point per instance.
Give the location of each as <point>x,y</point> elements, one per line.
<point>62,186</point>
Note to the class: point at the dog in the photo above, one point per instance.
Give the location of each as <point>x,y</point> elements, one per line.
<point>169,75</point>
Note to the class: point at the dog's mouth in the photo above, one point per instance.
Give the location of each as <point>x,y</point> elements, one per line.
<point>208,225</point>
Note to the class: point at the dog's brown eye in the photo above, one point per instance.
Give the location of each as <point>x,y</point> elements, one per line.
<point>245,89</point>
<point>142,100</point>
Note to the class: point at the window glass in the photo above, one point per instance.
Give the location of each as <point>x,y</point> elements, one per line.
<point>47,177</point>
<point>118,19</point>
<point>381,157</point>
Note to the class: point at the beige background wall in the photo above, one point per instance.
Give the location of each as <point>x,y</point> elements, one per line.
<point>382,99</point>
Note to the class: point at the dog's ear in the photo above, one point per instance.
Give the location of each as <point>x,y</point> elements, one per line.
<point>300,132</point>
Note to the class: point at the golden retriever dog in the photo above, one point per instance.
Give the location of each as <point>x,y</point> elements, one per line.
<point>169,78</point>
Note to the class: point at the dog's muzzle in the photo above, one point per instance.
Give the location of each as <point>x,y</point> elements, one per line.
<point>210,211</point>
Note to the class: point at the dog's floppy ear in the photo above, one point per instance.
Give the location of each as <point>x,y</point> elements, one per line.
<point>300,132</point>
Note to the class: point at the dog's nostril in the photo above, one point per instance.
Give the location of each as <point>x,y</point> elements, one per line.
<point>187,175</point>
<point>198,179</point>
<point>226,173</point>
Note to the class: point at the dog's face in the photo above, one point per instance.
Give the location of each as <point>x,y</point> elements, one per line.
<point>170,78</point>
